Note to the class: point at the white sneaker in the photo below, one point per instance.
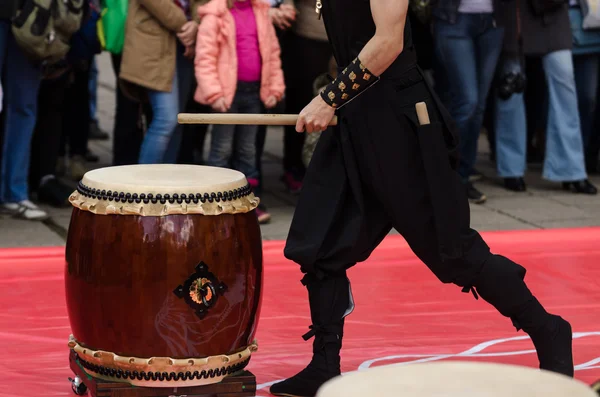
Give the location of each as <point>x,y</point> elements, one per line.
<point>26,210</point>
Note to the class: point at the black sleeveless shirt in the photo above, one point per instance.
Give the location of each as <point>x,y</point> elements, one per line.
<point>350,25</point>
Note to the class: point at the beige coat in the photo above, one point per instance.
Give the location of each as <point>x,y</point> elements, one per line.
<point>150,48</point>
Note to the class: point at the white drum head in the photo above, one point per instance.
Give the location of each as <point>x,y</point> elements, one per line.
<point>163,189</point>
<point>165,179</point>
<point>454,379</point>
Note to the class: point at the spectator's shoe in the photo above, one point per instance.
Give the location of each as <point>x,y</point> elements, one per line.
<point>474,195</point>
<point>584,186</point>
<point>96,133</point>
<point>25,210</point>
<point>91,157</point>
<point>263,215</point>
<point>515,184</point>
<point>54,192</point>
<point>61,167</point>
<point>475,176</point>
<point>293,184</point>
<point>77,167</point>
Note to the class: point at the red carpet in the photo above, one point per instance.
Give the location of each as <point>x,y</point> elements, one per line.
<point>403,313</point>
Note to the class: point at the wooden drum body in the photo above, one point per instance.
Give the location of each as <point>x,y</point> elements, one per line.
<point>163,274</point>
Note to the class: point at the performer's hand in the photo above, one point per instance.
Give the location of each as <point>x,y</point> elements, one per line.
<point>315,117</point>
<point>271,102</point>
<point>220,105</point>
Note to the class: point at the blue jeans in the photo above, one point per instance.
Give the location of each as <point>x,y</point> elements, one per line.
<point>466,55</point>
<point>21,84</point>
<point>185,76</point>
<point>235,146</point>
<point>564,159</point>
<point>587,73</point>
<point>165,106</point>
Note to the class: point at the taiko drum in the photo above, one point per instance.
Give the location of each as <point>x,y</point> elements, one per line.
<point>163,274</point>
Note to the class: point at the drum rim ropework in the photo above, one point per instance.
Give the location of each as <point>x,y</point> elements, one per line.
<point>160,371</point>
<point>120,191</point>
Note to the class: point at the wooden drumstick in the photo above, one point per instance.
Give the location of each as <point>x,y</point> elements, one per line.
<point>422,113</point>
<point>241,119</point>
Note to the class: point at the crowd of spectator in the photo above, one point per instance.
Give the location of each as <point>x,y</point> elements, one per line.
<point>524,72</point>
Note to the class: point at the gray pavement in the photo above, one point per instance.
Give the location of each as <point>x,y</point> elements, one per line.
<point>543,206</point>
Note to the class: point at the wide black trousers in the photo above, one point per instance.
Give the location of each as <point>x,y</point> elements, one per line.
<point>374,172</point>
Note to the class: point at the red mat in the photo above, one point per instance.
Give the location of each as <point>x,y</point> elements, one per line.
<point>403,314</point>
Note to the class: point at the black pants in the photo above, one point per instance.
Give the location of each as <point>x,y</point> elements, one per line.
<point>76,115</point>
<point>128,130</point>
<point>303,60</point>
<point>47,136</point>
<point>368,176</point>
<point>193,136</point>
<point>261,137</point>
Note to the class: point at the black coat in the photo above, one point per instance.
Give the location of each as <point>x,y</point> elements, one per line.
<point>8,8</point>
<point>541,34</point>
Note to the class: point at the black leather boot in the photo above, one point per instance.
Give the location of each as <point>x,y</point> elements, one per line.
<point>501,283</point>
<point>330,301</point>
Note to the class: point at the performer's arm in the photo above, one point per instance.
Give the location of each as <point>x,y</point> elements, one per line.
<point>376,56</point>
<point>388,42</point>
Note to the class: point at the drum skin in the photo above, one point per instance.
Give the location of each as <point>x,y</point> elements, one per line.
<point>122,270</point>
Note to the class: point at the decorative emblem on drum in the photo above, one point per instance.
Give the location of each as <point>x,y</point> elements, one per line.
<point>201,290</point>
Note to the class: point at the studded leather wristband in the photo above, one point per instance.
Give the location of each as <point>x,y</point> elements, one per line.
<point>353,80</point>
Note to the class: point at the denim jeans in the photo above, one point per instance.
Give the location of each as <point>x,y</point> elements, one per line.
<point>466,55</point>
<point>235,145</point>
<point>165,106</point>
<point>587,73</point>
<point>564,145</point>
<point>185,77</point>
<point>21,84</point>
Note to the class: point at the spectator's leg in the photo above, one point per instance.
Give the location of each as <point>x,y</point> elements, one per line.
<point>261,137</point>
<point>93,88</point>
<point>185,76</point>
<point>222,141</point>
<point>488,123</point>
<point>587,68</point>
<point>536,109</point>
<point>165,106</point>
<point>244,154</point>
<point>46,143</point>
<point>193,136</point>
<point>21,89</point>
<point>488,49</point>
<point>564,145</point>
<point>127,131</point>
<point>510,126</point>
<point>95,131</point>
<point>593,149</point>
<point>456,54</point>
<point>245,149</point>
<point>303,61</point>
<point>76,120</point>
<point>4,31</point>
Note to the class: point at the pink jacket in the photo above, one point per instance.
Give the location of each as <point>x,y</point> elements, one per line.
<point>216,65</point>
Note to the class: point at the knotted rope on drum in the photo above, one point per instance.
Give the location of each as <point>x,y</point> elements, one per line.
<point>160,371</point>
